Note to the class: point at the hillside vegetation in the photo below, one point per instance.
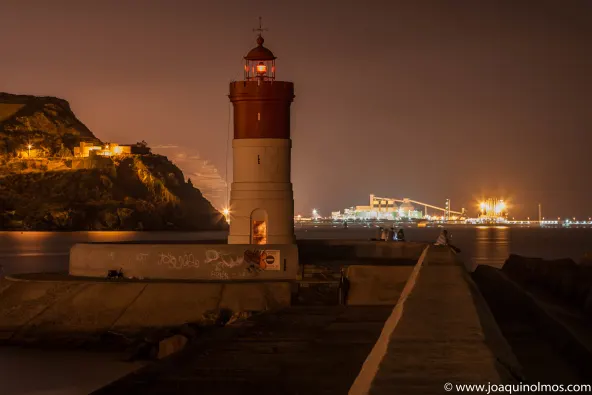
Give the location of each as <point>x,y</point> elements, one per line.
<point>44,122</point>
<point>133,192</point>
<point>137,193</point>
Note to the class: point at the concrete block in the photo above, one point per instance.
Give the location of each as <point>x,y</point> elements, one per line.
<point>4,284</point>
<point>567,281</point>
<point>93,309</point>
<point>22,301</point>
<point>519,267</point>
<point>171,345</point>
<point>187,261</point>
<point>376,285</point>
<point>255,296</point>
<point>588,304</point>
<point>170,304</point>
<point>583,284</point>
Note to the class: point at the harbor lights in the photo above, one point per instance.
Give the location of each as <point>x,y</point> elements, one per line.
<point>493,208</point>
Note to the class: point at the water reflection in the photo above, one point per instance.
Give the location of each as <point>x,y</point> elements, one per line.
<point>30,252</point>
<point>492,246</point>
<point>22,252</point>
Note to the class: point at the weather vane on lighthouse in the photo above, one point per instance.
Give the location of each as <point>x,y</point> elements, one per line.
<point>260,61</point>
<point>261,29</point>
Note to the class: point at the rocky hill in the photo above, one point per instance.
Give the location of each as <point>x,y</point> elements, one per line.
<point>131,192</point>
<point>47,123</point>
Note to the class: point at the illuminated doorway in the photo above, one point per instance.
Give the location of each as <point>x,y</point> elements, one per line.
<point>259,227</point>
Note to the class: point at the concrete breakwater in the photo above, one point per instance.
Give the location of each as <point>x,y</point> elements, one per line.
<point>202,278</point>
<point>436,331</point>
<point>35,308</point>
<point>563,278</point>
<point>441,305</point>
<point>543,309</point>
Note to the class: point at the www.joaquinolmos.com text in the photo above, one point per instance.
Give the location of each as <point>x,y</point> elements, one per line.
<point>490,388</point>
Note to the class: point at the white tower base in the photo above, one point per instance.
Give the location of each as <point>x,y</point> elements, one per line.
<point>261,199</point>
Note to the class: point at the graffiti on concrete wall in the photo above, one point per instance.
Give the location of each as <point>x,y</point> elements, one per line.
<point>254,260</point>
<point>215,263</point>
<point>215,257</point>
<point>178,262</point>
<point>221,263</point>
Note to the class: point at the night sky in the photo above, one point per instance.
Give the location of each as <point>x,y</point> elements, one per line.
<point>422,99</point>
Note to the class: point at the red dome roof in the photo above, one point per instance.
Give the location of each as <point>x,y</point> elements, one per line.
<point>260,52</point>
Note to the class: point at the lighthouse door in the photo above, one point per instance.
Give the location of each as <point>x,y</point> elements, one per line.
<point>259,226</point>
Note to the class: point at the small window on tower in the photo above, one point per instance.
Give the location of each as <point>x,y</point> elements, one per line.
<point>258,160</point>
<point>258,116</point>
<point>259,232</point>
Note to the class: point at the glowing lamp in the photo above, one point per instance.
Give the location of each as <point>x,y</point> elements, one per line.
<point>226,212</point>
<point>29,146</point>
<point>261,68</point>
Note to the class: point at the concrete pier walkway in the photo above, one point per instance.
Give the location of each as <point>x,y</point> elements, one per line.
<point>439,332</point>
<point>299,350</point>
<point>443,334</point>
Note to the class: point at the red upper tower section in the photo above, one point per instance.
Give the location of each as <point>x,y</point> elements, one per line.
<point>261,104</point>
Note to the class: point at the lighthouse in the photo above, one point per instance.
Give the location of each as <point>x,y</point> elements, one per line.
<point>261,199</point>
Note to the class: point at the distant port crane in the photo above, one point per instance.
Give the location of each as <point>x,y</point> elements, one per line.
<point>425,205</point>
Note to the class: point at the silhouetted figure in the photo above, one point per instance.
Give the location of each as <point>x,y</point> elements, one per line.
<point>378,234</point>
<point>345,224</point>
<point>443,240</point>
<point>400,235</point>
<point>384,235</point>
<point>391,234</point>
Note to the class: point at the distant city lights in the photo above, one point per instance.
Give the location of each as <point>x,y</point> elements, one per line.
<point>493,209</point>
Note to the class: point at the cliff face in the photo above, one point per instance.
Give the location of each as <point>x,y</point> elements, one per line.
<point>47,123</point>
<point>132,192</point>
<point>136,193</point>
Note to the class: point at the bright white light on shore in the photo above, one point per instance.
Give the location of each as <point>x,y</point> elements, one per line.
<point>226,213</point>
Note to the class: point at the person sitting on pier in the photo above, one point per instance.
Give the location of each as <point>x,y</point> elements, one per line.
<point>390,234</point>
<point>378,234</point>
<point>384,235</point>
<point>443,240</point>
<point>400,235</point>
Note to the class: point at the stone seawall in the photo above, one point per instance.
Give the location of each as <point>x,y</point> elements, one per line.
<point>34,309</point>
